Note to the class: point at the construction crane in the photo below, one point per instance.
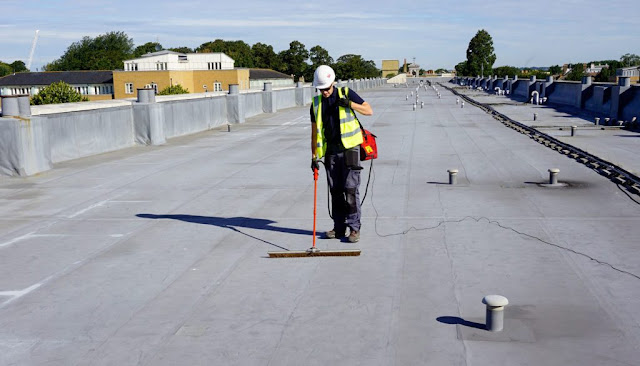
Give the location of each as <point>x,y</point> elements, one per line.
<point>33,48</point>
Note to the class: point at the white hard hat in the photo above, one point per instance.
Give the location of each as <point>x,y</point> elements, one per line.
<point>323,77</point>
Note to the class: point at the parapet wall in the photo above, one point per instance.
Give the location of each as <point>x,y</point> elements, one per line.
<point>30,144</point>
<point>618,103</point>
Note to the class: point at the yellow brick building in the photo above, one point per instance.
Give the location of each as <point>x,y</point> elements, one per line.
<point>390,67</point>
<point>126,83</point>
<point>196,72</point>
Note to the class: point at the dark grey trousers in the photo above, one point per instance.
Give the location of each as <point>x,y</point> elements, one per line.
<point>344,183</point>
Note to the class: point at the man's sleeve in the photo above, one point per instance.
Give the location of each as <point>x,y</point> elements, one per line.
<point>354,97</point>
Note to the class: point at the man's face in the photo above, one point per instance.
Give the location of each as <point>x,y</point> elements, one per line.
<point>326,93</point>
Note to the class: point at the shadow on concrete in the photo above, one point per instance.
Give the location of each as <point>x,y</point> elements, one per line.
<point>232,223</point>
<point>626,135</point>
<point>456,320</point>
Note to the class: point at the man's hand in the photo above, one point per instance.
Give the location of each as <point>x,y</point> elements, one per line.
<point>314,164</point>
<point>344,102</point>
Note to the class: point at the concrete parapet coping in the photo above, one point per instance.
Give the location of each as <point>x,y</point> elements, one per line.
<point>64,129</point>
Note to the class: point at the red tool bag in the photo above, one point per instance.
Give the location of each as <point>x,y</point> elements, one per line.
<point>368,148</point>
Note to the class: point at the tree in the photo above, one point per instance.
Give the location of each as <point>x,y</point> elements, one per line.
<point>461,69</point>
<point>555,69</point>
<point>294,59</point>
<point>441,71</point>
<point>18,66</point>
<point>318,56</point>
<point>174,89</point>
<point>148,47</point>
<point>239,51</point>
<point>480,54</point>
<point>105,52</point>
<point>576,73</point>
<point>503,71</point>
<point>355,67</point>
<point>56,93</point>
<point>15,66</point>
<point>604,75</point>
<point>181,49</point>
<point>630,59</point>
<point>265,57</point>
<point>5,69</point>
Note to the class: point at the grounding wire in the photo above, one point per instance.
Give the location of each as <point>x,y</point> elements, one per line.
<point>492,222</point>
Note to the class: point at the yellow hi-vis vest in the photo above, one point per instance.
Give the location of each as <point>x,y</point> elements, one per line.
<point>350,132</point>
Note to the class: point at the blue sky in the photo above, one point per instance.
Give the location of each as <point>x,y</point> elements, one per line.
<point>540,33</point>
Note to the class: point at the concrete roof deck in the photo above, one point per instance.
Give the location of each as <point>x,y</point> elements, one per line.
<point>157,255</point>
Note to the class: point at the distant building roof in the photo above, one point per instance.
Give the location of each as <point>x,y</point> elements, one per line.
<point>163,52</point>
<point>267,74</point>
<point>47,78</point>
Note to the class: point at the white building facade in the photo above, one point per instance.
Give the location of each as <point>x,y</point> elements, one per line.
<point>175,61</point>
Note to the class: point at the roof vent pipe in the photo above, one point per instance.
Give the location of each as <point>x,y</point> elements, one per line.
<point>495,312</point>
<point>624,81</point>
<point>453,176</point>
<point>10,106</point>
<point>553,176</point>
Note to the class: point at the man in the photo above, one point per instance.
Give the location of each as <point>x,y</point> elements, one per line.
<point>336,136</point>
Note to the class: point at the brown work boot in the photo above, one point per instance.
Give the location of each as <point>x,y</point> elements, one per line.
<point>334,234</point>
<point>354,236</point>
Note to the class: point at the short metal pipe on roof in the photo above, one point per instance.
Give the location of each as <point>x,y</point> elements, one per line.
<point>553,175</point>
<point>457,100</point>
<point>421,105</point>
<point>461,104</point>
<point>414,106</point>
<point>146,95</point>
<point>597,121</point>
<point>228,127</point>
<point>606,121</point>
<point>573,130</point>
<point>624,81</point>
<point>234,89</point>
<point>495,312</point>
<point>453,176</point>
<point>268,86</point>
<point>24,106</point>
<point>535,116</point>
<point>10,106</point>
<point>407,98</point>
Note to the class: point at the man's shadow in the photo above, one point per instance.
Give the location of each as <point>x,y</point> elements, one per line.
<point>232,223</point>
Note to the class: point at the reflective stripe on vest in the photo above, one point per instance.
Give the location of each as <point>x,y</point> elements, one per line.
<point>350,132</point>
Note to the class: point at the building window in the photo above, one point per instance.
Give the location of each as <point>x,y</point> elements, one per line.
<point>217,86</point>
<point>128,88</point>
<point>182,58</point>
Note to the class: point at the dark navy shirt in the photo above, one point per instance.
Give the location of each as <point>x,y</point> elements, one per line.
<point>331,119</point>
